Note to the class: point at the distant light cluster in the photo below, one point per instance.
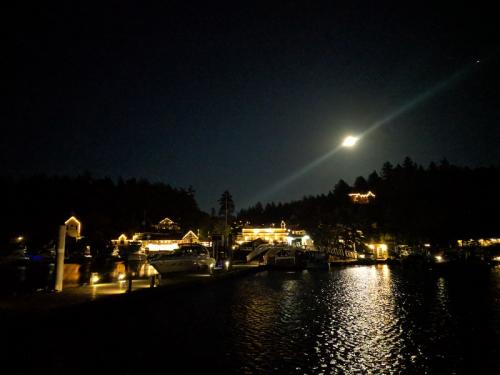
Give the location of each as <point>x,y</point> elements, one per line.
<point>361,198</point>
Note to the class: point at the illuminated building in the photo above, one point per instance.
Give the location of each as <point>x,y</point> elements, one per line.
<point>167,240</point>
<point>379,250</point>
<point>73,227</point>
<point>275,235</point>
<point>153,242</point>
<point>482,242</point>
<point>360,198</point>
<point>167,224</point>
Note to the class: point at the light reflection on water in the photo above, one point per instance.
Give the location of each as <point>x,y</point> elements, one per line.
<point>361,332</point>
<point>352,320</point>
<point>347,322</point>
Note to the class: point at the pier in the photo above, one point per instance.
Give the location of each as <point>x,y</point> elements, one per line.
<point>46,301</point>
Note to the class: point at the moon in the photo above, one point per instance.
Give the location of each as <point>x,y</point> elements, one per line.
<point>350,141</point>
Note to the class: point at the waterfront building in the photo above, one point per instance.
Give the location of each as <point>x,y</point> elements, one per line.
<point>73,227</point>
<point>167,237</point>
<point>275,235</point>
<point>167,224</point>
<point>481,242</point>
<point>486,248</point>
<point>157,241</point>
<point>379,250</point>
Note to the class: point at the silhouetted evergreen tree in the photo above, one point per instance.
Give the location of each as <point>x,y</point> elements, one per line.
<point>360,184</point>
<point>226,205</point>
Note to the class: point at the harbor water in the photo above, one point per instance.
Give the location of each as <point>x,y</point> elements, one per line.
<point>376,319</point>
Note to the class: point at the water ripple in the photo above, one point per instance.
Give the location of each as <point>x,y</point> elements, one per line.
<point>352,320</point>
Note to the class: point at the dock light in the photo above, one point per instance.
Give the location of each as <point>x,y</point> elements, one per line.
<point>438,258</point>
<point>226,264</point>
<point>350,141</point>
<point>94,278</point>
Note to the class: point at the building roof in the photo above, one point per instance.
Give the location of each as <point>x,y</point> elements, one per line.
<point>166,221</point>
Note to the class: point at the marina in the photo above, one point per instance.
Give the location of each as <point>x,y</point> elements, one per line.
<point>292,187</point>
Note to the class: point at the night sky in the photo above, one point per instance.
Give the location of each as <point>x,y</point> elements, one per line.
<point>239,97</point>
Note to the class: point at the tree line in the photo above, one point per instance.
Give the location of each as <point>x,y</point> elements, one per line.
<point>35,206</point>
<point>439,203</point>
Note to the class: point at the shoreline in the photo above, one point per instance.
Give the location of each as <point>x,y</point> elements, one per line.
<point>46,302</point>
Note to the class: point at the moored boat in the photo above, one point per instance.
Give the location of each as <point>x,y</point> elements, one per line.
<point>285,257</point>
<point>188,258</point>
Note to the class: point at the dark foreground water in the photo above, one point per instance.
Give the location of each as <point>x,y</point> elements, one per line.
<point>361,319</point>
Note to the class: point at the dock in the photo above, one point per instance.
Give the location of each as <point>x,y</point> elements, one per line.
<point>42,301</point>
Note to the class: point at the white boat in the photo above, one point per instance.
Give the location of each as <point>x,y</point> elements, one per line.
<point>188,258</point>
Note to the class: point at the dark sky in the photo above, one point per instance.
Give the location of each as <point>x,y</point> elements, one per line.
<point>241,96</point>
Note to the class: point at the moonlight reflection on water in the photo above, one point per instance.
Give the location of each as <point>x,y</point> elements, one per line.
<point>358,319</point>
<point>361,319</point>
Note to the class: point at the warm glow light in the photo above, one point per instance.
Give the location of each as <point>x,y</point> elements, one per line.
<point>359,195</point>
<point>379,250</point>
<point>361,198</point>
<point>267,234</point>
<point>350,141</point>
<point>78,223</point>
<point>190,235</point>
